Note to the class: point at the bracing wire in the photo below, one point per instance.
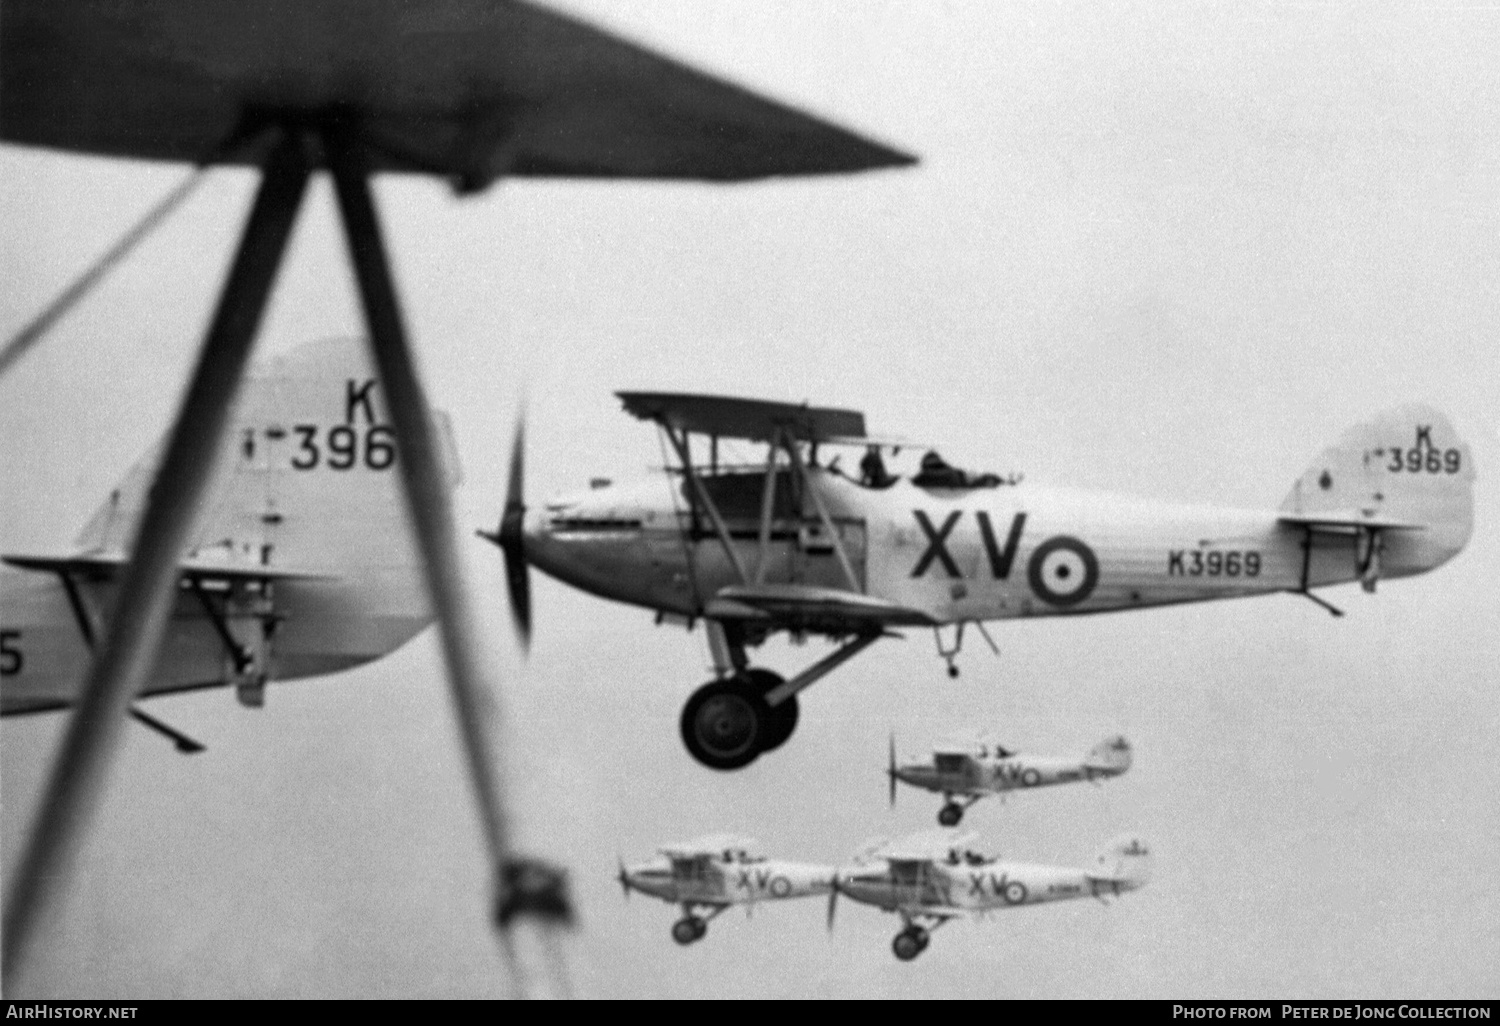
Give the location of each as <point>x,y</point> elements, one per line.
<point>20,343</point>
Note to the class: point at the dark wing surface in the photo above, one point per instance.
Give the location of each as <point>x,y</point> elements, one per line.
<point>754,419</point>
<point>469,89</point>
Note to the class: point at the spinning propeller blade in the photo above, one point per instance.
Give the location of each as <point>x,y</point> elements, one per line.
<point>623,877</point>
<point>891,769</point>
<point>510,538</point>
<point>833,897</point>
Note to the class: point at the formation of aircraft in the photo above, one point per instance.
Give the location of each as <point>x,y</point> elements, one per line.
<point>927,879</point>
<point>797,544</point>
<point>469,91</point>
<point>166,589</point>
<point>303,563</point>
<point>718,871</point>
<point>930,879</point>
<point>969,772</point>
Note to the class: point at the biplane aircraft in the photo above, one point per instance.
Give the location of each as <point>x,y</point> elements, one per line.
<point>303,563</point>
<point>929,879</point>
<point>963,774</point>
<point>709,874</point>
<point>468,91</point>
<point>800,546</point>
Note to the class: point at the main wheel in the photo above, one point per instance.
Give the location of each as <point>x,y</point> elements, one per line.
<point>723,724</point>
<point>950,814</point>
<point>685,931</point>
<point>783,718</point>
<point>909,944</point>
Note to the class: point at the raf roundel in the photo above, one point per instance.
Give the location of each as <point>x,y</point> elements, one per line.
<point>1063,571</point>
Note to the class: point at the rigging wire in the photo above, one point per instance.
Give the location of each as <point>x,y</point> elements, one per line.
<point>21,342</point>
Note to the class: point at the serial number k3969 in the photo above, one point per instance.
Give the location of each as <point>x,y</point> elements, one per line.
<point>1213,563</point>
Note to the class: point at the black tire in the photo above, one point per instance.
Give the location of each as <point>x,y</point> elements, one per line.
<point>908,945</point>
<point>950,814</point>
<point>686,931</point>
<point>783,719</point>
<point>723,724</point>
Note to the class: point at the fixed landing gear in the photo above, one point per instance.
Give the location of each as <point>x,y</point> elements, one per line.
<point>689,929</point>
<point>745,711</point>
<point>910,943</point>
<point>950,814</point>
<point>728,722</point>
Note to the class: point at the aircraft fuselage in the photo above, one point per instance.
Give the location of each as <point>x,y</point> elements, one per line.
<point>964,887</point>
<point>954,555</point>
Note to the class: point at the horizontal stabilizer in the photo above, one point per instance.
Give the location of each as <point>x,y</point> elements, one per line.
<point>105,565</point>
<point>802,603</point>
<point>1346,520</point>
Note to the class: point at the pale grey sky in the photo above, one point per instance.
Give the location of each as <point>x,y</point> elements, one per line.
<point>1165,248</point>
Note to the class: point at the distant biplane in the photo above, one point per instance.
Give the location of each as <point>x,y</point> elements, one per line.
<point>929,879</point>
<point>969,772</point>
<point>715,872</point>
<point>796,545</point>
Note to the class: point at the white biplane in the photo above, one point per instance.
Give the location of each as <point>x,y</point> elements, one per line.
<point>714,872</point>
<point>929,879</point>
<point>302,564</point>
<point>969,772</point>
<point>796,545</point>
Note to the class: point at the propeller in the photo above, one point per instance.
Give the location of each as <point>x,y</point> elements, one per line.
<point>891,769</point>
<point>623,877</point>
<point>511,540</point>
<point>833,897</point>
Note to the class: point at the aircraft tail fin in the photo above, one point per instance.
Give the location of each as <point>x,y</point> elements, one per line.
<point>1124,861</point>
<point>1406,473</point>
<point>307,481</point>
<point>1112,756</point>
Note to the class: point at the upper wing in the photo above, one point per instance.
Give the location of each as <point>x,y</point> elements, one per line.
<point>827,610</point>
<point>928,846</point>
<point>466,89</point>
<point>707,846</point>
<point>757,420</point>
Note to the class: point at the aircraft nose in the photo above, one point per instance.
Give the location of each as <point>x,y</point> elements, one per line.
<point>535,526</point>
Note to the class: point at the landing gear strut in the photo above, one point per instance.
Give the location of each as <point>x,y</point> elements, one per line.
<point>953,810</point>
<point>724,722</point>
<point>746,711</point>
<point>689,929</point>
<point>910,943</point>
<point>727,723</point>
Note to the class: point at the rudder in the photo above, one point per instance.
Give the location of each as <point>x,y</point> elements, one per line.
<point>1407,465</point>
<point>1111,756</point>
<point>1126,860</point>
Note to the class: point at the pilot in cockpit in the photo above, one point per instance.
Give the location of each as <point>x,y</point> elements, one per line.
<point>872,472</point>
<point>937,472</point>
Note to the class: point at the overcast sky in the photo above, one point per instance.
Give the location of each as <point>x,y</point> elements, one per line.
<point>1173,249</point>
